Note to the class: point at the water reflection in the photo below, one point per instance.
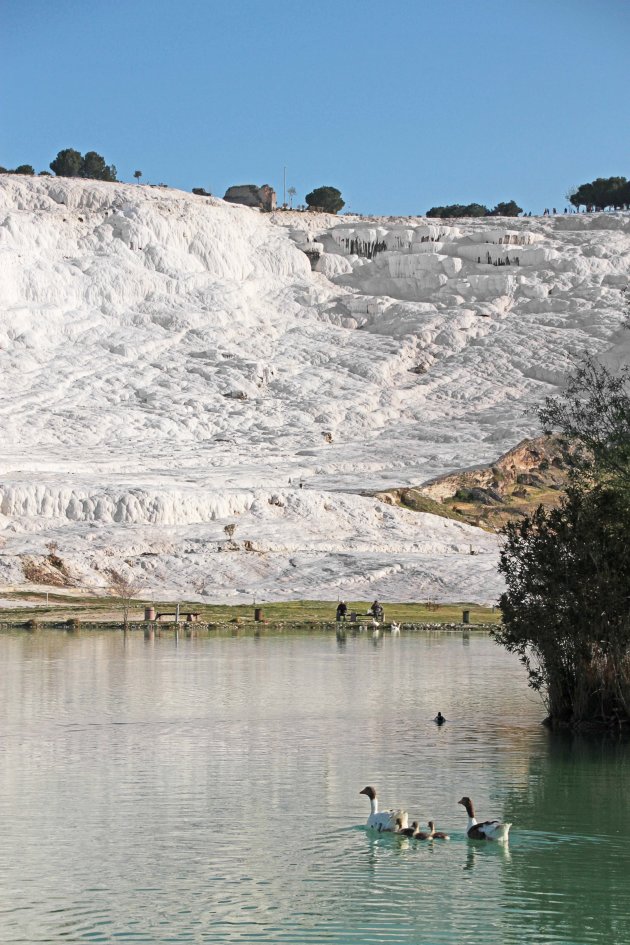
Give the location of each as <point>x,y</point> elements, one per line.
<point>574,816</point>
<point>477,848</point>
<point>218,777</point>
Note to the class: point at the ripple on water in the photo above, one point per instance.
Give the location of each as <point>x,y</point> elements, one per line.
<point>209,793</point>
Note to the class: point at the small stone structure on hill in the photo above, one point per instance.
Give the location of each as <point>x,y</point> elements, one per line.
<point>249,195</point>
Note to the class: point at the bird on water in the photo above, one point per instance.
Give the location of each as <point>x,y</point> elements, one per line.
<point>406,831</point>
<point>385,820</point>
<point>436,834</point>
<point>487,829</point>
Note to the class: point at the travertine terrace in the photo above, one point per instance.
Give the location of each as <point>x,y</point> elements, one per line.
<point>171,365</point>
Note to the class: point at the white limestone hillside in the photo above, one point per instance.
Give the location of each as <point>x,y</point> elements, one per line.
<point>170,365</point>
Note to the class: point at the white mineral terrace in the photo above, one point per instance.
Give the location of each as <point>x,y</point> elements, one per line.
<point>171,365</point>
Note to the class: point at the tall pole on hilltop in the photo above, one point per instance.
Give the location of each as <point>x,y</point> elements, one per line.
<point>284,188</point>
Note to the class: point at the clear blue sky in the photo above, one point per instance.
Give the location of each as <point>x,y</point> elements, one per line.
<point>401,104</point>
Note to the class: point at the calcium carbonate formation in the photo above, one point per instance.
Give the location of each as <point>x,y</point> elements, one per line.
<point>203,395</point>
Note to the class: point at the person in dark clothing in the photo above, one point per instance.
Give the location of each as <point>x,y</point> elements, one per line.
<point>342,610</point>
<point>376,610</point>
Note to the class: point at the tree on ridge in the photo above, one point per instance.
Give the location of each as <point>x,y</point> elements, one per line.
<point>67,163</point>
<point>506,209</point>
<point>326,198</point>
<point>601,193</point>
<point>70,163</point>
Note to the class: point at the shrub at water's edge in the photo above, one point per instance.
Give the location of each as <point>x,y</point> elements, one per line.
<point>566,610</point>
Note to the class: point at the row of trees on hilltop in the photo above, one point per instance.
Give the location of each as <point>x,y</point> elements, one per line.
<point>505,209</point>
<point>27,169</point>
<point>71,163</point>
<point>602,193</point>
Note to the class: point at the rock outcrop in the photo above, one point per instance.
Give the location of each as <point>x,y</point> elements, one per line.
<point>520,465</point>
<point>249,195</point>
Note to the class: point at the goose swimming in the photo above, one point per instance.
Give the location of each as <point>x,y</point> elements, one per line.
<point>385,820</point>
<point>488,829</point>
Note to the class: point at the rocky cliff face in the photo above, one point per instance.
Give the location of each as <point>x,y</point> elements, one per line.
<point>535,462</point>
<point>533,473</point>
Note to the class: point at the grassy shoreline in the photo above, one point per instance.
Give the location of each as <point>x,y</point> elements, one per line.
<point>56,608</point>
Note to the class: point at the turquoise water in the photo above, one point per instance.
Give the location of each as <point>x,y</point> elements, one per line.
<point>207,790</point>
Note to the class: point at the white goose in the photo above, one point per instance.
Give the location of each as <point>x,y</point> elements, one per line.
<point>488,829</point>
<point>385,820</point>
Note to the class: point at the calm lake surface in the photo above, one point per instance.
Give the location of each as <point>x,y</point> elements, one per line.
<point>207,790</point>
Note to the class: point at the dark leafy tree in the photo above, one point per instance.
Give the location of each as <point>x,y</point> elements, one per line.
<point>137,175</point>
<point>601,193</point>
<point>326,198</point>
<point>22,169</point>
<point>608,191</point>
<point>620,193</point>
<point>566,610</point>
<point>94,167</point>
<point>509,209</point>
<point>68,163</point>
<point>582,196</point>
<point>594,413</point>
<point>459,210</point>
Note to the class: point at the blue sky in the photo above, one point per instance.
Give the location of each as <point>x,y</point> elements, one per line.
<point>401,104</point>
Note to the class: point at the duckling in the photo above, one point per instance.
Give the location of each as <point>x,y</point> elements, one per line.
<point>439,719</point>
<point>437,834</point>
<point>421,835</point>
<point>406,831</point>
